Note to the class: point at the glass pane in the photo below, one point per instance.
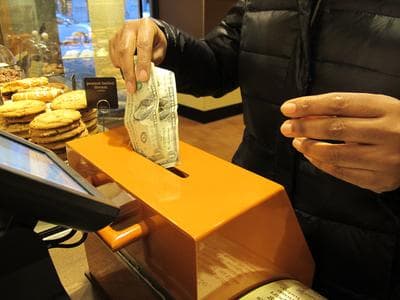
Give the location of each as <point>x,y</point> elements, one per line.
<point>146,8</point>
<point>66,37</point>
<point>75,36</point>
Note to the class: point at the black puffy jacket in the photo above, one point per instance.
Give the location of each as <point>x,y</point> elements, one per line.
<point>272,51</point>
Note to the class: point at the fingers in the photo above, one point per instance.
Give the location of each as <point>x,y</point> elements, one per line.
<point>126,54</point>
<point>160,47</point>
<point>343,155</point>
<point>122,48</point>
<point>375,181</point>
<point>158,55</point>
<point>111,50</point>
<point>145,41</point>
<point>141,36</point>
<point>336,104</point>
<point>351,130</point>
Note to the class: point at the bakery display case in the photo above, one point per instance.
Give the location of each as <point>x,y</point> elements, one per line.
<point>50,48</point>
<point>66,37</point>
<point>9,71</point>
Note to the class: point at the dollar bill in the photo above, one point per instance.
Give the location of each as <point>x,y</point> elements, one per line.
<point>151,118</point>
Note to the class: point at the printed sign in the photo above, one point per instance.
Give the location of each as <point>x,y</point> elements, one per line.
<point>101,89</point>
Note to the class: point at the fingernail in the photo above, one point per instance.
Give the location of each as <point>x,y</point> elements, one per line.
<point>296,143</point>
<point>142,76</point>
<point>287,128</point>
<point>130,87</point>
<point>289,108</point>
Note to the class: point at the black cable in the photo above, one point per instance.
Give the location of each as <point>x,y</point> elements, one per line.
<point>72,245</point>
<point>51,231</point>
<point>55,242</point>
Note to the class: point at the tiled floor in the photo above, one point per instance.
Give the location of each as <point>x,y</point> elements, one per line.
<point>220,138</point>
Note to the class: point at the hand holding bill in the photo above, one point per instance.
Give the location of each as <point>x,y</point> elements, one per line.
<point>146,39</point>
<point>368,127</point>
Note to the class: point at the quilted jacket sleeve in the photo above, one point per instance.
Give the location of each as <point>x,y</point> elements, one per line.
<point>209,66</point>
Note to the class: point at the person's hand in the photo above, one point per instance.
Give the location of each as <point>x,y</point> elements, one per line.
<point>144,37</point>
<point>367,127</point>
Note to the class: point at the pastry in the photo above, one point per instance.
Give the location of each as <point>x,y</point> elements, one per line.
<point>91,124</point>
<point>53,131</point>
<point>13,86</point>
<point>61,144</point>
<point>61,136</point>
<point>55,119</point>
<point>88,115</point>
<point>22,108</point>
<point>15,128</point>
<point>23,119</point>
<point>71,100</point>
<point>23,134</point>
<point>8,74</point>
<point>59,85</point>
<point>42,94</point>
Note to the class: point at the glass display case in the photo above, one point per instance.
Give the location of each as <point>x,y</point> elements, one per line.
<point>62,38</point>
<point>66,37</point>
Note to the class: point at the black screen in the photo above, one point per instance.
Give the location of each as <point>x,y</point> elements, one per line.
<point>34,163</point>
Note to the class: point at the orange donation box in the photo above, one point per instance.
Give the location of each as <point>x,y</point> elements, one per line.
<point>205,230</point>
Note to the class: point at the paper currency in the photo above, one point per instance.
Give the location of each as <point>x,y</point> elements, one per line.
<point>151,118</point>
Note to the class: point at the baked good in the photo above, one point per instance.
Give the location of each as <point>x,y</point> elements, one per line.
<point>15,116</point>
<point>21,108</point>
<point>23,119</point>
<point>23,134</point>
<point>71,100</point>
<point>88,114</point>
<point>55,119</point>
<point>91,124</point>
<point>58,145</point>
<point>8,74</point>
<point>52,69</point>
<point>94,130</point>
<point>89,117</point>
<point>14,128</point>
<point>59,85</point>
<point>53,131</point>
<point>13,86</point>
<point>21,130</point>
<point>61,136</point>
<point>42,94</point>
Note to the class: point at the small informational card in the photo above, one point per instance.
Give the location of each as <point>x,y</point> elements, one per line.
<point>99,90</point>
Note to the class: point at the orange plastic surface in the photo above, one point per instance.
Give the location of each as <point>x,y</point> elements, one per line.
<point>212,234</point>
<point>214,192</point>
<point>118,239</point>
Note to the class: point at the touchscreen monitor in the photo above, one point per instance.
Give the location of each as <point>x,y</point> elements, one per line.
<point>36,163</point>
<point>34,182</point>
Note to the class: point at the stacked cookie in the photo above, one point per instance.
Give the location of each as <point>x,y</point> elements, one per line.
<point>89,117</point>
<point>16,116</point>
<point>10,88</point>
<point>42,93</point>
<point>77,100</point>
<point>37,88</point>
<point>54,128</point>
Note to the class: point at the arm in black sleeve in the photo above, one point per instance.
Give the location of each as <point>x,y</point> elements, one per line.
<point>206,67</point>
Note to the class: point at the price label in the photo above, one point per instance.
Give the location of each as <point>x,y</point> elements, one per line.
<point>101,88</point>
